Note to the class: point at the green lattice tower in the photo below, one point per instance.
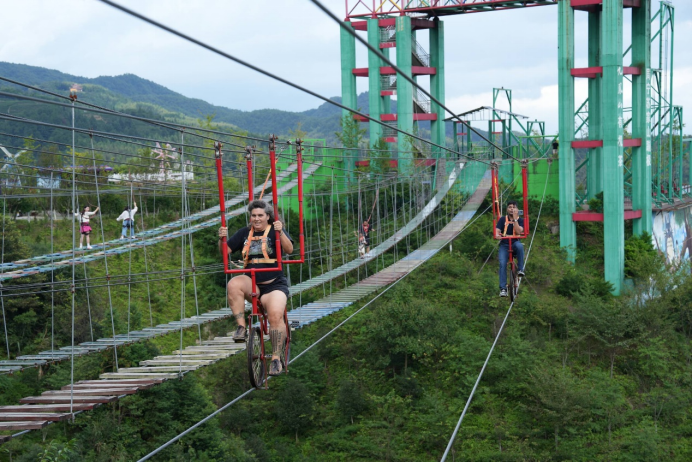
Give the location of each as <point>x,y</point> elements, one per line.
<point>605,105</point>
<point>404,42</point>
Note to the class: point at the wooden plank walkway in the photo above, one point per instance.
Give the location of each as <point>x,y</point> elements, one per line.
<point>115,385</point>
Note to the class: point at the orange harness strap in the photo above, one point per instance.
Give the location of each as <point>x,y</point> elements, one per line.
<point>246,248</point>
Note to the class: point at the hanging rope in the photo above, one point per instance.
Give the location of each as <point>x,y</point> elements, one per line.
<point>2,298</point>
<point>146,265</point>
<point>103,241</point>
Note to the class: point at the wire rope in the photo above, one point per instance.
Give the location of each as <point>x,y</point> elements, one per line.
<point>495,341</point>
<point>2,296</point>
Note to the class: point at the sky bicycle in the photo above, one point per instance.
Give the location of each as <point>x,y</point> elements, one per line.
<point>505,229</point>
<point>257,324</point>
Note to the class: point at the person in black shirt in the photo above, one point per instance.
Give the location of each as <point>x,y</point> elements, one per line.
<point>257,243</point>
<point>510,225</point>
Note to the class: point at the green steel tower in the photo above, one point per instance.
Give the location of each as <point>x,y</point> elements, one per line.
<point>606,144</point>
<point>398,32</point>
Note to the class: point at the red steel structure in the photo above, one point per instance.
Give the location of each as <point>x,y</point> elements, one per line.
<point>362,9</point>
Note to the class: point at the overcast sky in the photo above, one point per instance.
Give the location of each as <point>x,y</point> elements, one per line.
<point>515,49</point>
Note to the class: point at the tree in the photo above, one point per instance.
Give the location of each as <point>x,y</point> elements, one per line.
<point>352,134</point>
<point>350,400</point>
<point>294,406</point>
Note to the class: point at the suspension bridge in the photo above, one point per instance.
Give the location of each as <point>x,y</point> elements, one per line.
<point>422,198</point>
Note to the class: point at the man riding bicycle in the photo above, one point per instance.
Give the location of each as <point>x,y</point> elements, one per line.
<point>510,225</point>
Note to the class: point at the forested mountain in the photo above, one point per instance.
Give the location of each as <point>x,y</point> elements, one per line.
<point>321,122</point>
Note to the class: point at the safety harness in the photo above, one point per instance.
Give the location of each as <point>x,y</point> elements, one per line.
<point>505,228</point>
<point>246,248</point>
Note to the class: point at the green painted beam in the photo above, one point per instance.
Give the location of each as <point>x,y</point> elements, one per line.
<point>405,95</point>
<point>374,98</point>
<point>566,126</point>
<point>612,130</point>
<point>437,50</point>
<point>640,126</point>
<point>595,180</point>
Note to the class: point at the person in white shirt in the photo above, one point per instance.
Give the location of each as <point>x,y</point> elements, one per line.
<point>128,219</point>
<point>84,227</point>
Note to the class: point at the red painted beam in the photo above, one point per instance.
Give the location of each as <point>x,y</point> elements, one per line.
<point>360,72</point>
<point>388,45</point>
<point>359,118</point>
<point>425,116</point>
<point>388,92</point>
<point>587,144</point>
<point>415,70</point>
<point>633,142</point>
<point>631,70</point>
<point>463,133</point>
<point>417,116</point>
<point>362,163</point>
<point>393,163</point>
<point>390,139</point>
<point>595,5</point>
<point>593,216</point>
<point>360,25</point>
<point>588,72</point>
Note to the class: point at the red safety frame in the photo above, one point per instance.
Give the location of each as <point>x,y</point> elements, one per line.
<point>256,313</point>
<point>497,206</point>
<point>498,211</point>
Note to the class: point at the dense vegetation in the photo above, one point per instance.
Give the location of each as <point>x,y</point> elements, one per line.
<point>577,374</point>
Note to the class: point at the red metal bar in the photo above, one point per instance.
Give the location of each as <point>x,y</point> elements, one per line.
<point>525,199</point>
<point>360,72</point>
<point>249,166</point>
<point>594,216</point>
<point>388,92</point>
<point>495,205</point>
<point>362,163</point>
<point>222,201</point>
<point>301,236</point>
<point>631,70</point>
<point>632,142</point>
<point>587,144</point>
<point>589,72</point>
<point>275,199</point>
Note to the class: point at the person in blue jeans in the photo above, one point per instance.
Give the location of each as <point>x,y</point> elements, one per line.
<point>128,219</point>
<point>510,225</point>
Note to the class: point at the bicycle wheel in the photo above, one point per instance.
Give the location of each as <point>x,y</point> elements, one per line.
<point>256,357</point>
<point>514,282</point>
<point>286,356</point>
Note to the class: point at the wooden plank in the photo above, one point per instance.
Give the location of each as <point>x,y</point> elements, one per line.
<point>23,425</point>
<point>92,391</point>
<point>66,399</point>
<point>173,362</point>
<point>29,416</point>
<point>159,368</point>
<point>49,408</point>
<point>124,382</point>
<point>136,375</point>
<point>211,356</point>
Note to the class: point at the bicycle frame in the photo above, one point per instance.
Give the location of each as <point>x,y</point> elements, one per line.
<point>497,211</point>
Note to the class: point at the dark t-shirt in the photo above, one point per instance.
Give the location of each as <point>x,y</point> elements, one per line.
<point>509,232</point>
<point>237,242</point>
